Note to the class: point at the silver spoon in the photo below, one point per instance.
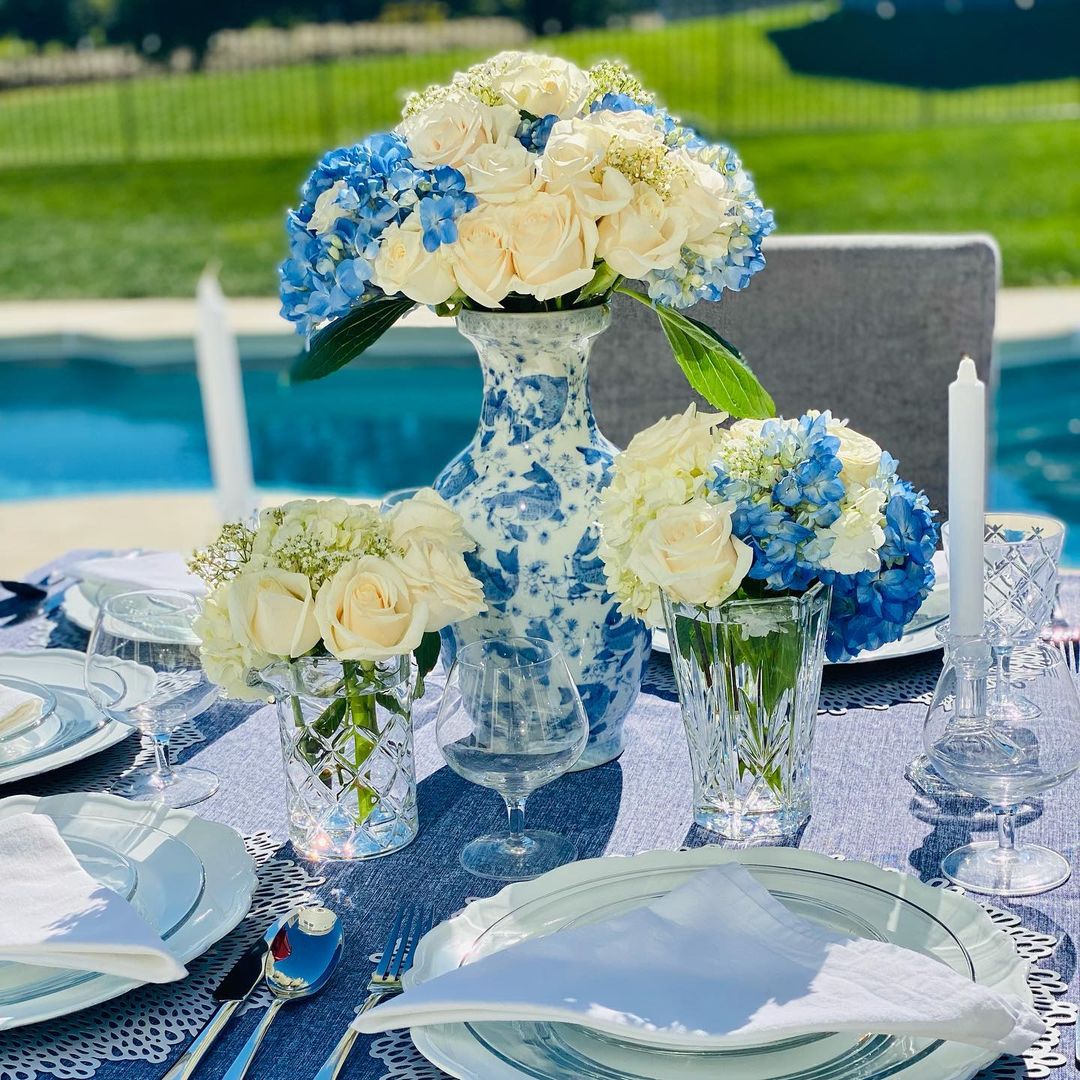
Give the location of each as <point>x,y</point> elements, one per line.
<point>301,960</point>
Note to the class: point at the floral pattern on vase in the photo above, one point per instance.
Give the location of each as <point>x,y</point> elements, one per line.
<point>527,487</point>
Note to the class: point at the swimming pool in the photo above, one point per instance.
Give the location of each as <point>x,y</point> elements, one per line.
<point>84,419</point>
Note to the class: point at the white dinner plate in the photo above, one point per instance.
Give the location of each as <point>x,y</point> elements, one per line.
<point>919,637</point>
<point>854,898</point>
<point>156,872</point>
<point>79,729</point>
<point>79,608</point>
<point>227,884</point>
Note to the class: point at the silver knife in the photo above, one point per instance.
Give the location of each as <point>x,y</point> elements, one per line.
<point>233,991</point>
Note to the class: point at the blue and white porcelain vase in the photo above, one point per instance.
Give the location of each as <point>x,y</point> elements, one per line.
<point>528,488</point>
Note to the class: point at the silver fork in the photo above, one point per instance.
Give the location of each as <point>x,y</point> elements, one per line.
<point>1070,650</point>
<point>409,927</point>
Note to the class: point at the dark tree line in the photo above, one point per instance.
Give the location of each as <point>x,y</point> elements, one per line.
<point>170,24</point>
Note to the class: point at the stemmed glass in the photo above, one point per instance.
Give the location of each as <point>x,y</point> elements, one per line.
<point>1004,756</point>
<point>143,669</point>
<point>511,719</point>
<point>1020,580</point>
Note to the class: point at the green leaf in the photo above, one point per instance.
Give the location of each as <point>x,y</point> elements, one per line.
<point>391,704</point>
<point>426,655</point>
<point>712,366</point>
<point>346,338</point>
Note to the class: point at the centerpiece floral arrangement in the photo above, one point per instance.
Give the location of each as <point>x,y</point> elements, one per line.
<point>707,513</point>
<point>527,184</point>
<point>323,604</point>
<point>737,538</point>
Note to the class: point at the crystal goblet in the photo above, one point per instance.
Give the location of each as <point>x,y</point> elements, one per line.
<point>143,669</point>
<point>1004,757</point>
<point>511,719</point>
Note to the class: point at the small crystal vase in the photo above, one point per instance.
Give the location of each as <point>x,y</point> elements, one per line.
<point>346,735</point>
<point>749,675</point>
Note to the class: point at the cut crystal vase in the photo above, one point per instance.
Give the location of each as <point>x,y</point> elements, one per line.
<point>347,740</point>
<point>749,674</point>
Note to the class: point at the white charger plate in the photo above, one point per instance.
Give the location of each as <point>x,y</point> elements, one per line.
<point>61,670</point>
<point>920,638</point>
<point>855,898</point>
<point>228,883</point>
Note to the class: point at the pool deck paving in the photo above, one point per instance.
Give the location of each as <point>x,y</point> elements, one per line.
<point>34,531</point>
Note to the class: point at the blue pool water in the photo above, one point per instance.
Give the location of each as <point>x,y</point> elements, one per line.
<point>80,424</point>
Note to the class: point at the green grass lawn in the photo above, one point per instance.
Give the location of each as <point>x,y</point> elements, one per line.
<point>148,229</point>
<point>723,73</point>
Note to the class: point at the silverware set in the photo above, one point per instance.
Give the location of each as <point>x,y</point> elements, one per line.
<point>397,957</point>
<point>294,959</point>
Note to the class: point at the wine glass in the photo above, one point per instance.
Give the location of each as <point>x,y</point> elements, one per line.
<point>143,669</point>
<point>511,719</point>
<point>1004,757</point>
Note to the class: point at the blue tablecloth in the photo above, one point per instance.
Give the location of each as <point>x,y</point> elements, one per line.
<point>863,809</point>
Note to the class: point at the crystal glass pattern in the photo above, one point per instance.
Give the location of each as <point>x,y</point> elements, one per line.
<point>749,675</point>
<point>346,735</point>
<point>1004,757</point>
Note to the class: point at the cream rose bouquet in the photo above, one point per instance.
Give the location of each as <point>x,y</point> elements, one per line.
<point>325,579</point>
<point>527,184</point>
<point>704,513</point>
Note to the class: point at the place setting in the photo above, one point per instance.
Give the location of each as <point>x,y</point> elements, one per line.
<point>763,899</point>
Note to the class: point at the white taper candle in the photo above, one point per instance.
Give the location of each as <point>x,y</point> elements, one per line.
<point>967,499</point>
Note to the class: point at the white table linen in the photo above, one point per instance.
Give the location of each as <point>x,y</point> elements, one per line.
<point>54,914</point>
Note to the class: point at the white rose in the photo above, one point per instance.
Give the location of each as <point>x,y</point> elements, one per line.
<point>227,661</point>
<point>327,210</point>
<point>685,441</point>
<point>446,132</point>
<point>366,612</point>
<point>403,265</point>
<point>428,518</point>
<point>500,174</point>
<point>540,85</point>
<point>859,454</point>
<point>703,194</point>
<point>440,578</point>
<point>574,163</point>
<point>645,235</point>
<point>552,244</point>
<point>689,552</point>
<point>272,611</point>
<point>481,259</point>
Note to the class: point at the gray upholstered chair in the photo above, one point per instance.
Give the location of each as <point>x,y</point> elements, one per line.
<point>871,327</point>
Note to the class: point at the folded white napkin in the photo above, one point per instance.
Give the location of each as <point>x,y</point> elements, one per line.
<point>717,962</point>
<point>152,570</point>
<point>54,914</point>
<point>17,708</point>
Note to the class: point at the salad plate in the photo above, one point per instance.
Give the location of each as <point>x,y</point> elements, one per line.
<point>853,898</point>
<point>164,860</point>
<point>75,730</point>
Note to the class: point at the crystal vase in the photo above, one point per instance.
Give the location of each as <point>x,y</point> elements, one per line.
<point>346,735</point>
<point>528,488</point>
<point>749,674</point>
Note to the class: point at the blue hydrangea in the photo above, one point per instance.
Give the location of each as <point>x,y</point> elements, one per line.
<point>533,132</point>
<point>782,508</point>
<point>328,274</point>
<point>695,277</point>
